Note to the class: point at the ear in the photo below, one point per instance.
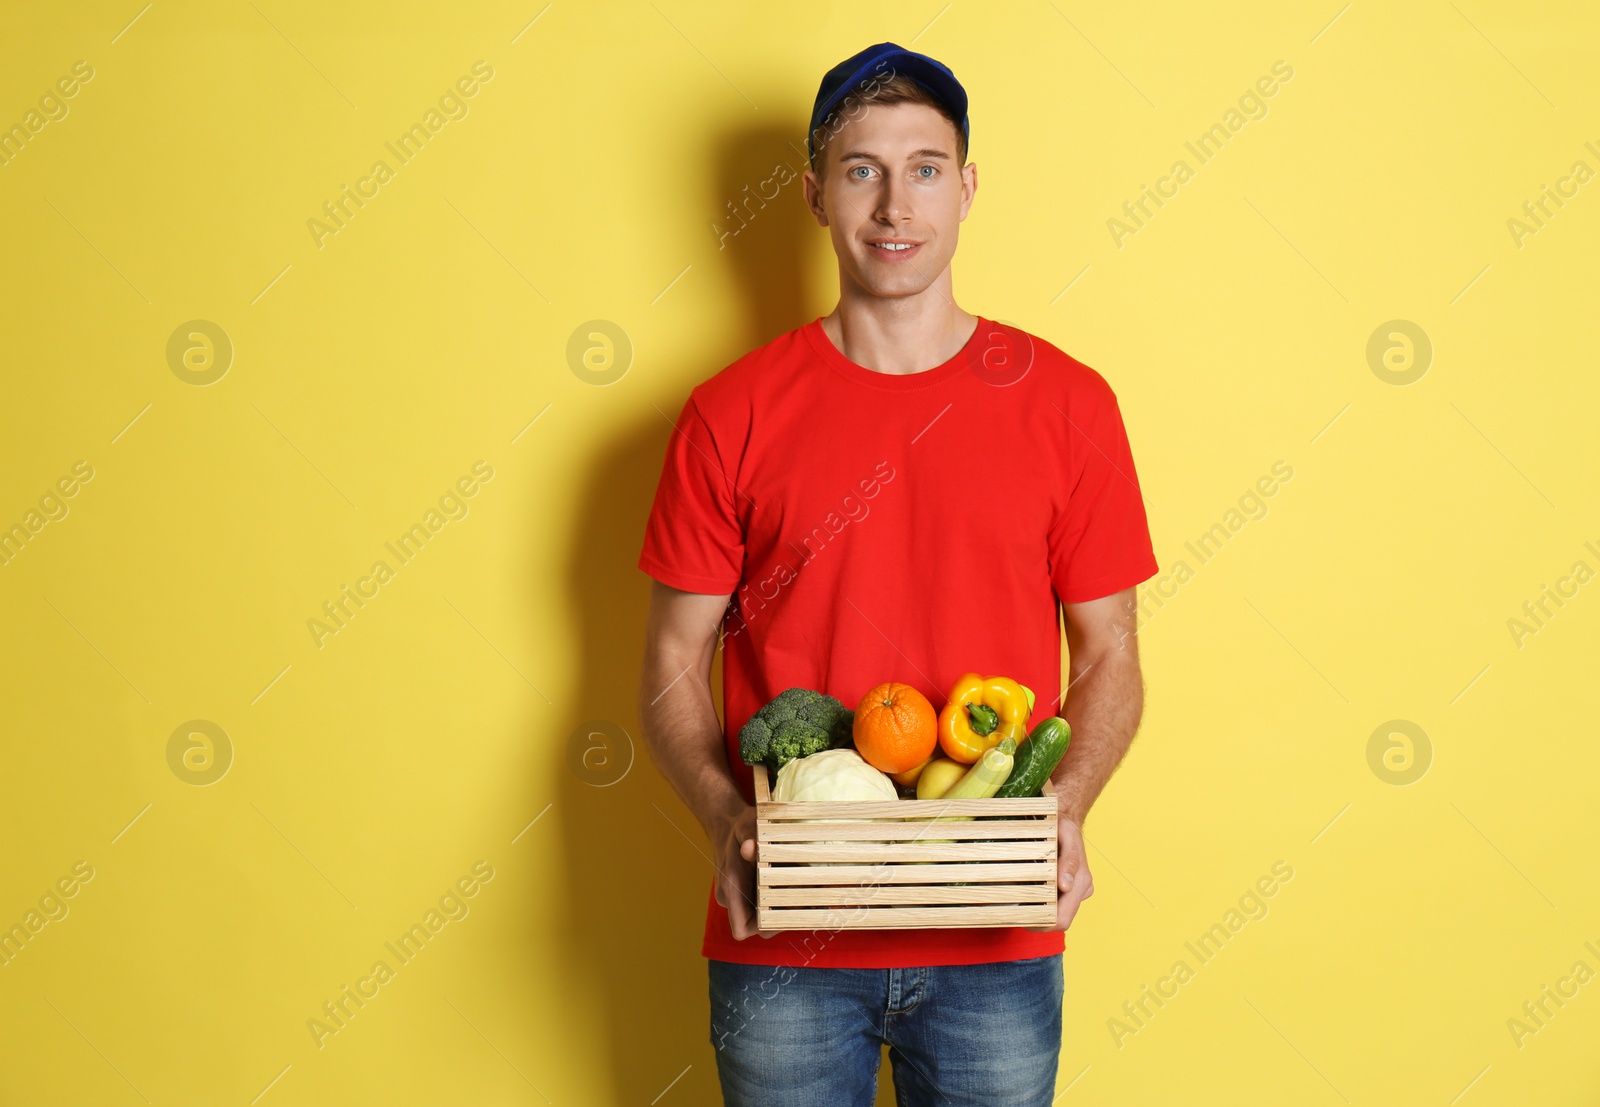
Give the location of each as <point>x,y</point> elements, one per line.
<point>969,186</point>
<point>811,186</point>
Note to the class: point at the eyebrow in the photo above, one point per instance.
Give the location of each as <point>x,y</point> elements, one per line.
<point>914,155</point>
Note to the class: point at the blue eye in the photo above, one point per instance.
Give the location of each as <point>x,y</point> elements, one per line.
<point>934,168</point>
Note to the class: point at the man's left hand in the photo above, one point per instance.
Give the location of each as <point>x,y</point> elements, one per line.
<point>1074,882</point>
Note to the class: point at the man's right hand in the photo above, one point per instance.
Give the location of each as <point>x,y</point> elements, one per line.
<point>735,850</point>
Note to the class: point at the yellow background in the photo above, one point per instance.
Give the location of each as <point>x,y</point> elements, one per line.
<point>370,773</point>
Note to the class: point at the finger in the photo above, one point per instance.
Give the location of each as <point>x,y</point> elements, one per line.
<point>1066,881</point>
<point>1070,904</point>
<point>747,849</point>
<point>739,921</point>
<point>1082,878</point>
<point>741,916</point>
<point>731,897</point>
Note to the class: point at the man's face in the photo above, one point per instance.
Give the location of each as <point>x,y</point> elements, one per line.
<point>892,177</point>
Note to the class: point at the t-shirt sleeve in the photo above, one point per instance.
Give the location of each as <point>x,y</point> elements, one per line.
<point>694,536</point>
<point>1100,542</point>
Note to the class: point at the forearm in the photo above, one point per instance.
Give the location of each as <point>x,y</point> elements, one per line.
<point>1104,704</point>
<point>685,739</point>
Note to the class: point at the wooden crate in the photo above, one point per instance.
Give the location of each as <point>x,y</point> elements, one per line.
<point>999,870</point>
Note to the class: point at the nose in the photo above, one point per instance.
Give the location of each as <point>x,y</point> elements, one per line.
<point>894,203</point>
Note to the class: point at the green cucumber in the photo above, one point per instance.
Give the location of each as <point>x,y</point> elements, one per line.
<point>1036,758</point>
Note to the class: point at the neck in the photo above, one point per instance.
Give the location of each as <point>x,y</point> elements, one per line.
<point>908,334</point>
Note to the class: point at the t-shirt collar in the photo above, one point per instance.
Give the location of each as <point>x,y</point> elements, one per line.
<point>834,357</point>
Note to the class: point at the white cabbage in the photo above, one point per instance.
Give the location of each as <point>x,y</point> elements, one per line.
<point>838,774</point>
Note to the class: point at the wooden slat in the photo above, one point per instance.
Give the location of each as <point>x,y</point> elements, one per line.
<point>763,794</point>
<point>893,830</point>
<point>907,873</point>
<point>1027,850</point>
<point>877,918</point>
<point>893,894</point>
<point>903,809</point>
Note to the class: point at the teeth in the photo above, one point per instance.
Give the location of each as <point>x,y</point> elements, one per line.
<point>892,245</point>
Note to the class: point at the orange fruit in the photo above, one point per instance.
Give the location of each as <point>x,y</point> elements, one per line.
<point>896,728</point>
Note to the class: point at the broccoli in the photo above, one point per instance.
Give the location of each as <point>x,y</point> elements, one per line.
<point>795,723</point>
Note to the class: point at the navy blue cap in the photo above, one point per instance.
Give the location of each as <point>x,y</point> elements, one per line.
<point>877,64</point>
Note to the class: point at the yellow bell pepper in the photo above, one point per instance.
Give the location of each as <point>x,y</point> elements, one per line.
<point>979,713</point>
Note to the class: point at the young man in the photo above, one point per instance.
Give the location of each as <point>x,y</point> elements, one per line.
<point>899,490</point>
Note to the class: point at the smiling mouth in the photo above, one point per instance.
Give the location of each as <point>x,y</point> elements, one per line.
<point>894,251</point>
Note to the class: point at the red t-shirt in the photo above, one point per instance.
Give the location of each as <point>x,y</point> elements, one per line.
<point>872,527</point>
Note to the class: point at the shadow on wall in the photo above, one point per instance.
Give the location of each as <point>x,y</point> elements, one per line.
<point>636,862</point>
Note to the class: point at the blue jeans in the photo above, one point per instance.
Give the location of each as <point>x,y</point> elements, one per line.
<point>958,1035</point>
